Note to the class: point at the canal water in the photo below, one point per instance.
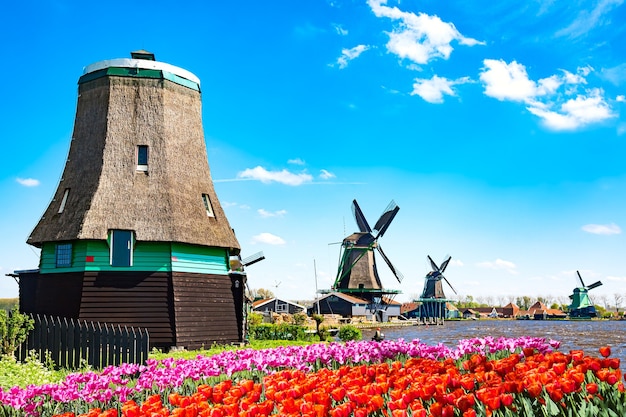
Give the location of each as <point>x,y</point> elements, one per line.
<point>586,335</point>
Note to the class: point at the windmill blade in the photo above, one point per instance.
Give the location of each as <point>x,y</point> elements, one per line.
<point>252,259</point>
<point>594,285</point>
<point>444,265</point>
<point>580,278</point>
<point>360,218</point>
<point>386,218</point>
<point>397,273</point>
<point>433,264</point>
<point>450,285</point>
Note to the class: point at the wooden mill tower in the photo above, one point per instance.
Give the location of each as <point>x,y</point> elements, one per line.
<point>135,234</point>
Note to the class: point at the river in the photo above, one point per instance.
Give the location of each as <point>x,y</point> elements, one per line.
<point>586,335</point>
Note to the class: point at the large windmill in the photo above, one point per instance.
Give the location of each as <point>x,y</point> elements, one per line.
<point>433,299</point>
<point>357,274</point>
<point>135,234</point>
<point>581,306</point>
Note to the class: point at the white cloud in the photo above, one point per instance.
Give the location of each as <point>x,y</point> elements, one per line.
<point>602,229</point>
<point>348,55</point>
<point>419,38</point>
<point>507,81</point>
<point>326,175</point>
<point>615,75</point>
<point>433,90</point>
<point>296,161</point>
<point>558,110</point>
<point>589,19</point>
<point>580,111</point>
<point>265,214</point>
<point>284,177</point>
<point>268,239</point>
<point>499,264</point>
<point>620,99</point>
<point>28,182</point>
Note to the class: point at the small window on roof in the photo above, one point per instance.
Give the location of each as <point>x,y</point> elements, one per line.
<point>63,255</point>
<point>207,205</point>
<point>142,157</point>
<point>66,193</point>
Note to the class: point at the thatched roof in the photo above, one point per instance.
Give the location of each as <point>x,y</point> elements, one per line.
<point>115,115</point>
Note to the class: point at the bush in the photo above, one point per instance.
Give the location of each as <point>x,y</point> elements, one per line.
<point>14,328</point>
<point>31,371</point>
<point>282,331</point>
<point>254,319</point>
<point>349,332</point>
<point>299,319</point>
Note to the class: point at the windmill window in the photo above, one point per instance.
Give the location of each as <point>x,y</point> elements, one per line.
<point>66,193</point>
<point>142,158</point>
<point>63,255</point>
<point>207,205</point>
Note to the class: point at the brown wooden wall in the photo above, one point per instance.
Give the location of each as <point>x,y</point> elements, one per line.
<point>208,309</point>
<point>182,309</point>
<point>52,295</point>
<point>139,299</point>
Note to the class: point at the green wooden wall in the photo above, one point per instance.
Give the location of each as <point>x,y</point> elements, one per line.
<point>93,255</point>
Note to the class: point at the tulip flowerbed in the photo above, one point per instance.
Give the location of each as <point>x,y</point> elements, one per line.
<point>480,377</point>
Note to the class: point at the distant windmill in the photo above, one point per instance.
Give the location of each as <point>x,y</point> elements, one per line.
<point>433,287</point>
<point>433,300</point>
<point>357,274</point>
<point>581,306</point>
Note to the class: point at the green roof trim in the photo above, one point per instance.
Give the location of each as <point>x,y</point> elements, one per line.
<point>139,73</point>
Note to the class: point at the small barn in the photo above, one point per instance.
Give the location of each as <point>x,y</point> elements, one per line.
<point>277,305</point>
<point>135,234</point>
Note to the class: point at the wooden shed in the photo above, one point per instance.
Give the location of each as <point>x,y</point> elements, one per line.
<point>135,234</point>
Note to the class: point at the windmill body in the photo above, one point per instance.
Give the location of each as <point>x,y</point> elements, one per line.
<point>357,274</point>
<point>582,307</point>
<point>358,265</point>
<point>433,299</point>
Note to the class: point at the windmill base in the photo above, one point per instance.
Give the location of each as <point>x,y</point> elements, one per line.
<point>187,310</point>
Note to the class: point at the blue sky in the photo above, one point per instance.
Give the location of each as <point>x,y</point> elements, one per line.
<point>499,131</point>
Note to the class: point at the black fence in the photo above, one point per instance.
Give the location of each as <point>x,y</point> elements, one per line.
<point>72,344</point>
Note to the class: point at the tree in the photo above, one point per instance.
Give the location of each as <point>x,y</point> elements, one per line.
<point>523,302</point>
<point>618,298</point>
<point>261,294</point>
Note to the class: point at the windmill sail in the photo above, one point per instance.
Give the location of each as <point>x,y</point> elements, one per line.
<point>386,218</point>
<point>360,218</point>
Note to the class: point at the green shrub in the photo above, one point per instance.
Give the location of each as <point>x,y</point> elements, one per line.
<point>282,331</point>
<point>31,371</point>
<point>14,328</point>
<point>254,319</point>
<point>299,319</point>
<point>349,332</point>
